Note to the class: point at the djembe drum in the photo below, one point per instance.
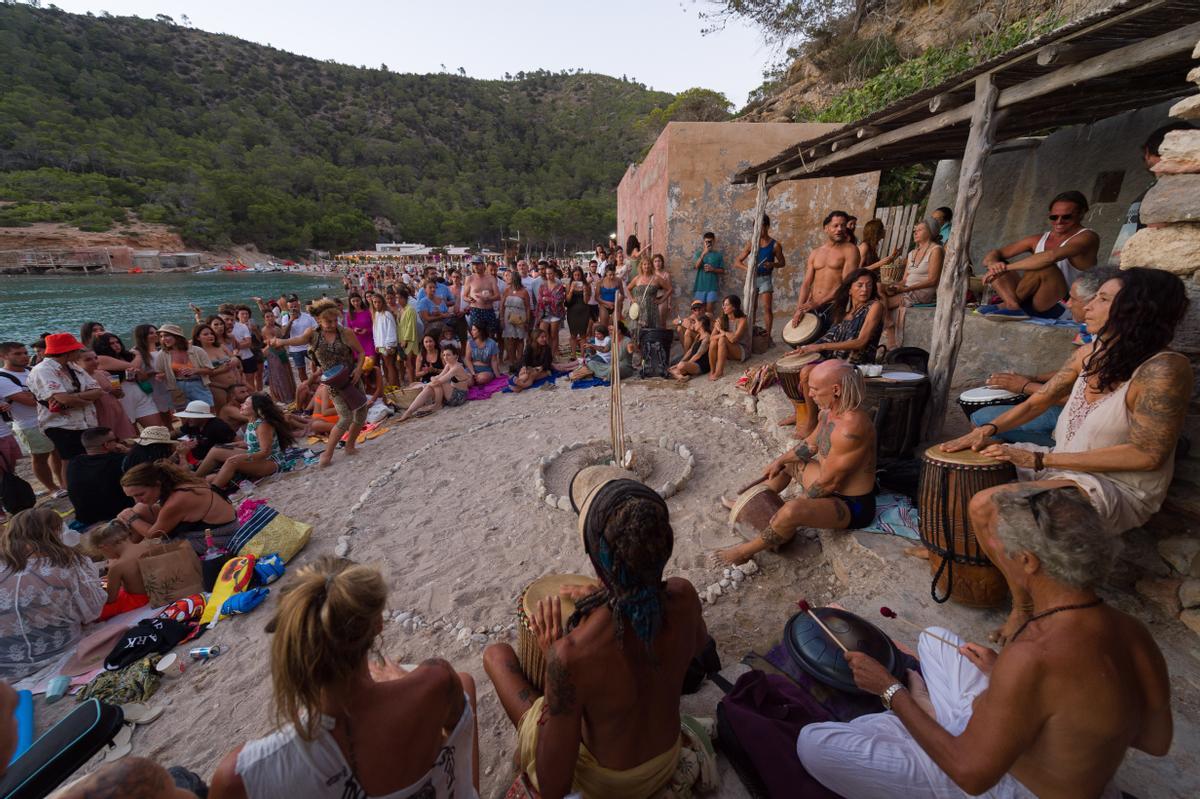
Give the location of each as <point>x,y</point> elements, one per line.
<point>787,370</point>
<point>974,399</point>
<point>960,568</point>
<point>533,664</point>
<point>755,507</point>
<point>807,331</point>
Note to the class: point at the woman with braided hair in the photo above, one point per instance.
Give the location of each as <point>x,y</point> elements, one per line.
<point>608,724</point>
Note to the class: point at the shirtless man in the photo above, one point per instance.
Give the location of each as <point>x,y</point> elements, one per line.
<point>835,465</point>
<point>231,412</point>
<point>767,258</point>
<point>481,292</point>
<point>1058,257</point>
<point>1051,715</point>
<point>827,267</point>
<point>608,724</point>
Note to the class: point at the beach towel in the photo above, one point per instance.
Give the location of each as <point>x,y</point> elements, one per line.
<point>541,381</point>
<point>589,382</point>
<point>895,515</point>
<point>485,391</point>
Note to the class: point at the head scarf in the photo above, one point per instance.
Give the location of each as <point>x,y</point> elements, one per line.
<point>634,591</point>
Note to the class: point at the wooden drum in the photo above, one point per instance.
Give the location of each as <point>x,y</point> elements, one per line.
<point>895,402</point>
<point>755,507</point>
<point>960,568</point>
<point>787,369</point>
<point>807,331</point>
<point>528,651</point>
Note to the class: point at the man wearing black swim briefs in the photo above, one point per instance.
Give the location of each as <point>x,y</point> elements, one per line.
<point>835,466</point>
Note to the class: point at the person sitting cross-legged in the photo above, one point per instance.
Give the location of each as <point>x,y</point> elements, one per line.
<point>608,724</point>
<point>1052,715</point>
<point>835,466</point>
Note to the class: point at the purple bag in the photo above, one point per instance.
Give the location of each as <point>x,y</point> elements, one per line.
<point>758,724</point>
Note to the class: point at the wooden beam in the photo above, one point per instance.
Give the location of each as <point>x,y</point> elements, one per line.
<point>1114,62</point>
<point>952,288</point>
<point>750,289</point>
<point>866,133</point>
<point>947,100</point>
<point>1060,54</point>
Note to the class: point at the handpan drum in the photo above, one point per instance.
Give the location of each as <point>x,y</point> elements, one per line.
<point>528,650</point>
<point>960,568</point>
<point>810,648</point>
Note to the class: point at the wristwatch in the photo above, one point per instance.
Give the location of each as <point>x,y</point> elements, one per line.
<point>887,695</point>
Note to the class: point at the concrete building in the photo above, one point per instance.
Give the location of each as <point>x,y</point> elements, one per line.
<point>682,189</point>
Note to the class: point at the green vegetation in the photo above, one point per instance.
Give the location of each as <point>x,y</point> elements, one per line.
<point>928,69</point>
<point>103,120</point>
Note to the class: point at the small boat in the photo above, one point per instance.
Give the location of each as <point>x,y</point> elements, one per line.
<point>206,271</point>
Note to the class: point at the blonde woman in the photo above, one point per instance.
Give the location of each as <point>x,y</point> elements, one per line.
<point>350,726</point>
<point>48,591</point>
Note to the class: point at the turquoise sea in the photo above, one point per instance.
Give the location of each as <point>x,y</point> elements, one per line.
<point>30,306</point>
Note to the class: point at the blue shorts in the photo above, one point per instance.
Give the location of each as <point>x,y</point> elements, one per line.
<point>706,297</point>
<point>297,358</point>
<point>765,283</point>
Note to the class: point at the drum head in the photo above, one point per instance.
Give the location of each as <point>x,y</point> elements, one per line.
<point>635,310</point>
<point>812,650</point>
<point>966,457</point>
<point>986,394</point>
<point>792,363</point>
<point>548,586</point>
<point>746,498</point>
<point>804,332</point>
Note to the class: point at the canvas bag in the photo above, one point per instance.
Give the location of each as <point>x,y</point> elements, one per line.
<point>269,531</point>
<point>171,571</point>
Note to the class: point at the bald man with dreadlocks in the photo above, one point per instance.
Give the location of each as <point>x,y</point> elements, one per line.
<point>609,722</point>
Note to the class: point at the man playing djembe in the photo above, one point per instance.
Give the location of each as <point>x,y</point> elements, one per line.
<point>609,722</point>
<point>835,465</point>
<point>1051,715</point>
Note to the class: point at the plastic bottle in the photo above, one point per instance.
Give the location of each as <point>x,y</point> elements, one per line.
<point>213,551</point>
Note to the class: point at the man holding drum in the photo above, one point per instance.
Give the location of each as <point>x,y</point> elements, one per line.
<point>1052,715</point>
<point>1126,398</point>
<point>608,724</point>
<point>827,266</point>
<point>835,466</point>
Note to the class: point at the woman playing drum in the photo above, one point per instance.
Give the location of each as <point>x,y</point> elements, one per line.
<point>857,320</point>
<point>333,345</point>
<point>1126,397</point>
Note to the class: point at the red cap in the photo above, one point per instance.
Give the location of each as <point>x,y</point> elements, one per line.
<point>61,344</point>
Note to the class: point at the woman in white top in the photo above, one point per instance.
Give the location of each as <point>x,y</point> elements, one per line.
<point>922,271</point>
<point>353,727</point>
<point>1126,398</point>
<point>384,330</point>
<point>48,592</point>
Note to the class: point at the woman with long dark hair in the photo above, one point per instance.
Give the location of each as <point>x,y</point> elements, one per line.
<point>225,373</point>
<point>145,342</point>
<point>268,437</point>
<point>1126,396</point>
<point>128,366</point>
<point>730,341</point>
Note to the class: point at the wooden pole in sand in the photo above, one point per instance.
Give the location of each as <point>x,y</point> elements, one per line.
<point>616,418</point>
<point>750,289</point>
<point>952,289</point>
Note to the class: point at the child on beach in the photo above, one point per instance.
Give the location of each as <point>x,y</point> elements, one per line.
<point>125,587</point>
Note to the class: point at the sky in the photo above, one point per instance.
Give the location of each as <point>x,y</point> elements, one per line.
<point>658,42</point>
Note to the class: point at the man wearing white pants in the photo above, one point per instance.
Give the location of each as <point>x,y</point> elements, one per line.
<point>1050,716</point>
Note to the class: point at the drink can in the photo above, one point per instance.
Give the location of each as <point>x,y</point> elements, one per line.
<point>114,381</point>
<point>204,652</point>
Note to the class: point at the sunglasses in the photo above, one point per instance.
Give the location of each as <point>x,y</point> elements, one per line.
<point>1063,217</point>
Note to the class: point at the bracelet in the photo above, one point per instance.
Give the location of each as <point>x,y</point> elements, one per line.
<point>992,425</point>
<point>887,696</point>
<point>1039,461</point>
<point>1027,382</point>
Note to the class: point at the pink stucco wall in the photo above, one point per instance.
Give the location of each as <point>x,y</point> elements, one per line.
<point>684,182</point>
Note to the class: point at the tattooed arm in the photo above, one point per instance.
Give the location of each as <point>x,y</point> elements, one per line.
<point>562,730</point>
<point>849,445</point>
<point>1157,403</point>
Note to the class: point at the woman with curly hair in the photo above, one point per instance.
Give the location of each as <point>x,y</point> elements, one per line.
<point>1125,397</point>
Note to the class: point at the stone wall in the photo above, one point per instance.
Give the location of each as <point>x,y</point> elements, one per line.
<point>685,182</point>
<point>1171,241</point>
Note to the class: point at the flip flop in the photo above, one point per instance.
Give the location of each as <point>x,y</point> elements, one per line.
<point>140,713</point>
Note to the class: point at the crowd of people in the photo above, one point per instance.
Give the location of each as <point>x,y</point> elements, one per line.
<point>149,440</point>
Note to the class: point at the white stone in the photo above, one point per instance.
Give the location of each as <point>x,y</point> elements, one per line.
<point>402,616</point>
<point>481,630</point>
<point>464,635</point>
<point>496,628</point>
<point>664,442</point>
<point>479,638</point>
<point>342,549</point>
<point>712,593</point>
<point>750,567</point>
<point>715,588</point>
<point>552,500</point>
<point>738,575</point>
<point>725,582</point>
<point>564,503</point>
<point>1179,551</point>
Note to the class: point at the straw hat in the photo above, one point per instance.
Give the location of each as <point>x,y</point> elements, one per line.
<point>174,330</point>
<point>196,409</point>
<point>61,344</point>
<point>155,435</point>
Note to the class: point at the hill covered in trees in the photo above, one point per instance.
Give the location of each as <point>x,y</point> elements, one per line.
<point>106,119</point>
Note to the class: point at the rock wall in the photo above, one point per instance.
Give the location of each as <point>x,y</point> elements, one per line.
<point>1171,241</point>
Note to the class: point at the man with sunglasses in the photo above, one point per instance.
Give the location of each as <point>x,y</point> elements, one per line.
<point>1035,286</point>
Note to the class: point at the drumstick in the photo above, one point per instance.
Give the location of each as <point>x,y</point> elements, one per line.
<point>888,613</point>
<point>804,606</point>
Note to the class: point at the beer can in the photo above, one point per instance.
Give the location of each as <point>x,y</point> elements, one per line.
<point>204,652</point>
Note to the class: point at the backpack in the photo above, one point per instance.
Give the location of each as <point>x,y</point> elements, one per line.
<point>15,494</point>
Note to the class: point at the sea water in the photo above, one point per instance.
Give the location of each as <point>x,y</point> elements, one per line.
<point>32,305</point>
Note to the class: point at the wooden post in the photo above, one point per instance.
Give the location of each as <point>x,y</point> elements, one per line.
<point>952,288</point>
<point>750,290</point>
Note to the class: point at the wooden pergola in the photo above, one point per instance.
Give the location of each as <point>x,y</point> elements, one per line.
<point>1131,55</point>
